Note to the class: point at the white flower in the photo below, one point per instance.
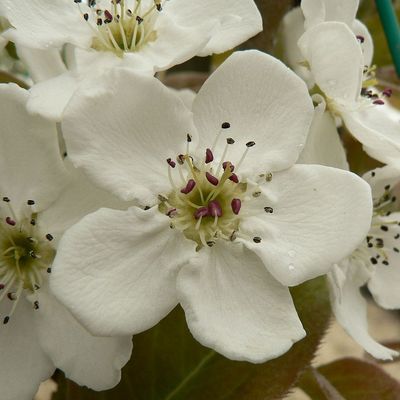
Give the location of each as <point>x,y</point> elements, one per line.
<point>39,200</point>
<point>229,222</point>
<point>375,261</point>
<point>336,62</point>
<point>145,35</point>
<point>310,14</point>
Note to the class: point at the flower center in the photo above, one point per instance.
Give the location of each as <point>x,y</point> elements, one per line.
<point>24,255</point>
<point>124,26</point>
<point>206,204</point>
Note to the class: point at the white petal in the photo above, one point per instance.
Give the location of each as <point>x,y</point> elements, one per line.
<point>292,29</point>
<point>338,73</point>
<point>42,64</point>
<point>237,21</point>
<point>91,361</point>
<point>381,177</point>
<point>23,363</point>
<point>46,23</point>
<point>341,10</point>
<point>50,97</point>
<point>124,150</point>
<point>79,198</point>
<point>377,131</point>
<point>350,309</point>
<point>234,306</point>
<point>367,46</point>
<point>30,161</point>
<point>262,100</point>
<point>320,215</point>
<point>323,145</point>
<point>116,270</point>
<point>314,12</point>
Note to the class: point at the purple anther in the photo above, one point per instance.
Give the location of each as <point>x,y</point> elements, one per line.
<point>214,209</point>
<point>180,159</point>
<point>212,179</point>
<point>234,178</point>
<point>387,92</point>
<point>360,38</point>
<point>2,286</point>
<point>171,162</point>
<point>236,204</point>
<point>209,156</point>
<point>225,164</point>
<point>108,15</point>
<point>201,212</point>
<point>171,213</point>
<point>189,186</point>
<point>10,221</point>
<point>378,102</point>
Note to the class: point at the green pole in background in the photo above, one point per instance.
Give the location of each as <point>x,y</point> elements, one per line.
<point>391,27</point>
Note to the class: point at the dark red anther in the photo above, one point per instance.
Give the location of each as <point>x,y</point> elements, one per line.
<point>234,178</point>
<point>387,92</point>
<point>209,156</point>
<point>180,159</point>
<point>214,209</point>
<point>201,212</point>
<point>108,16</point>
<point>171,212</point>
<point>360,38</point>
<point>10,221</point>
<point>236,204</point>
<point>189,186</point>
<point>1,286</point>
<point>212,179</point>
<point>225,164</point>
<point>171,162</point>
<point>378,102</point>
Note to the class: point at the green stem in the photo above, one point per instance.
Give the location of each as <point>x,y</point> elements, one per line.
<point>191,375</point>
<point>391,27</point>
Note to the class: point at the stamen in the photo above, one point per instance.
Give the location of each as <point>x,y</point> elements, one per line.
<point>189,187</point>
<point>214,209</point>
<point>209,156</point>
<point>201,212</point>
<point>236,204</point>
<point>212,179</point>
<point>248,146</point>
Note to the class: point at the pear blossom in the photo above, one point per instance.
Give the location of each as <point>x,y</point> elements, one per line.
<point>227,221</point>
<point>311,13</point>
<point>336,62</point>
<point>40,198</point>
<point>145,35</point>
<point>375,261</point>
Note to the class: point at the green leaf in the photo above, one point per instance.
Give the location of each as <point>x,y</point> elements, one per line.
<point>350,378</point>
<point>168,364</point>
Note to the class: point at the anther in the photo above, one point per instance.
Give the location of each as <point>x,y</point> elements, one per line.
<point>385,262</point>
<point>108,16</point>
<point>171,213</point>
<point>49,237</point>
<point>378,102</point>
<point>92,3</point>
<point>49,270</point>
<point>209,156</point>
<point>11,296</point>
<point>6,199</point>
<point>373,173</point>
<point>33,222</point>
<point>5,320</point>
<point>370,245</point>
<point>373,260</point>
<point>268,177</point>
<point>234,178</point>
<point>188,138</point>
<point>171,163</point>
<point>257,194</point>
<point>236,204</point>
<point>387,92</point>
<point>30,202</point>
<point>360,38</point>
<point>33,254</point>
<point>189,186</point>
<point>201,212</point>
<point>397,236</point>
<point>139,20</point>
<point>145,208</point>
<point>214,209</point>
<point>159,7</point>
<point>230,140</point>
<point>225,125</point>
<point>387,187</point>
<point>395,249</point>
<point>225,164</point>
<point>250,144</point>
<point>2,286</point>
<point>256,239</point>
<point>180,159</point>
<point>384,228</point>
<point>212,179</point>
<point>10,221</point>
<point>36,305</point>
<point>86,16</point>
<point>210,243</point>
<point>268,210</point>
<point>99,22</point>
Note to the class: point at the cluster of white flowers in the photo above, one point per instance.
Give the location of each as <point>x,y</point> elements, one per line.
<point>122,198</point>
